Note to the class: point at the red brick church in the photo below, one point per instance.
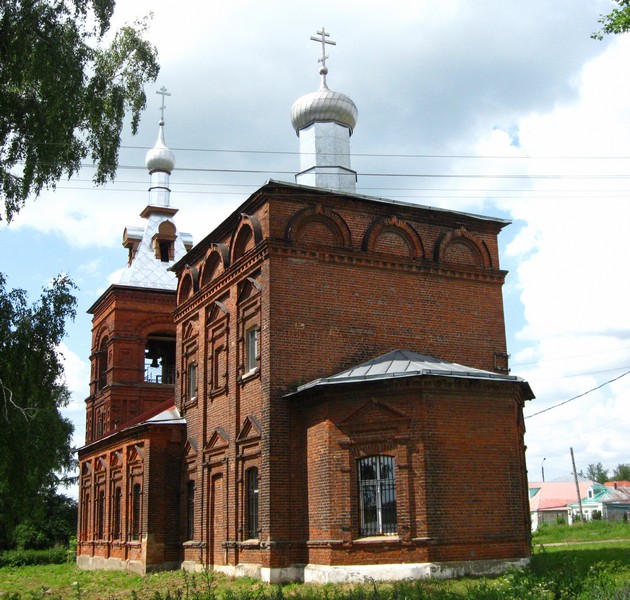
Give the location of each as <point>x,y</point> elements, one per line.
<point>316,391</point>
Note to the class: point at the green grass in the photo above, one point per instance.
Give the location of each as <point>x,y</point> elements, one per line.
<point>590,531</point>
<point>567,563</point>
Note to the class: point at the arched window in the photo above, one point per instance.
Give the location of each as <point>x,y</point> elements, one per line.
<point>159,358</point>
<point>377,495</point>
<point>251,492</point>
<point>101,380</point>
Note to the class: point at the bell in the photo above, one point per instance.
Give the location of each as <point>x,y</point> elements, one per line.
<point>154,363</point>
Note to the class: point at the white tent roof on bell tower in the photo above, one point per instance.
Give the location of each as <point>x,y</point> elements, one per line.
<point>156,247</point>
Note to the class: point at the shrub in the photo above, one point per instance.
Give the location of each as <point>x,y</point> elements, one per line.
<point>22,558</point>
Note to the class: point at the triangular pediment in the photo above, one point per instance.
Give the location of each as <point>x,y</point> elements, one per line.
<point>250,288</point>
<point>250,430</point>
<point>190,448</point>
<point>115,459</point>
<point>217,310</point>
<point>189,330</point>
<point>375,415</point>
<point>219,440</point>
<point>136,452</point>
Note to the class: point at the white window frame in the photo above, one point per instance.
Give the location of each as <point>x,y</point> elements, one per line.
<point>191,383</point>
<point>251,349</point>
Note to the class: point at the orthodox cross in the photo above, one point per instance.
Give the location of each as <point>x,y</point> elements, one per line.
<point>322,39</point>
<point>162,91</point>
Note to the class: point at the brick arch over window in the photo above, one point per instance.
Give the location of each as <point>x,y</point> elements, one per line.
<point>188,284</point>
<point>319,225</point>
<point>393,236</point>
<point>247,235</point>
<point>157,323</point>
<point>463,248</point>
<point>217,260</point>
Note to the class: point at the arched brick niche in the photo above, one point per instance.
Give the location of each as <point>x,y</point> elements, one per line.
<point>247,235</point>
<point>188,284</point>
<point>461,247</point>
<point>319,225</point>
<point>393,236</point>
<point>216,261</point>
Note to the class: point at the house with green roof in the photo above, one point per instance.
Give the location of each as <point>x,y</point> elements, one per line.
<point>608,502</point>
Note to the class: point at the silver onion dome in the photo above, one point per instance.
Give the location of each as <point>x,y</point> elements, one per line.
<point>160,157</point>
<point>324,106</point>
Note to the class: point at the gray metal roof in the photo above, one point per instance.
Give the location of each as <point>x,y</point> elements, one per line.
<point>403,363</point>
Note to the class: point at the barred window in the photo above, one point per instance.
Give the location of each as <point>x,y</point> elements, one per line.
<point>377,495</point>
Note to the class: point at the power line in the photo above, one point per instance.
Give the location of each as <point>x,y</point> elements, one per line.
<point>374,154</point>
<point>540,412</point>
<point>397,175</point>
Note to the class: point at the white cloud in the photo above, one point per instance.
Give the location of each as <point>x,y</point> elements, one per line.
<point>498,78</point>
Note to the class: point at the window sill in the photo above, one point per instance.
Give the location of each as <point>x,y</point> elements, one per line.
<point>189,403</point>
<point>379,539</point>
<point>252,374</point>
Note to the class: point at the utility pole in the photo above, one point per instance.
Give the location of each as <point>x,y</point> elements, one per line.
<point>577,487</point>
<point>542,467</point>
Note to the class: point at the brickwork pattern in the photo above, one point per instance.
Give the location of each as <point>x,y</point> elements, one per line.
<point>328,281</point>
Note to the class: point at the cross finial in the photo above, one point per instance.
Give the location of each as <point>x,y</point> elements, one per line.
<point>322,39</point>
<point>162,91</point>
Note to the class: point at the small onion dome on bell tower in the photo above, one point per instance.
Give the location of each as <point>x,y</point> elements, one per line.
<point>324,106</point>
<point>160,157</point>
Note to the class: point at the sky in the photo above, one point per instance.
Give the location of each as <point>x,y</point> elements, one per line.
<point>497,107</point>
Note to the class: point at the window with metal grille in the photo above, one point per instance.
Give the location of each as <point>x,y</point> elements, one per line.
<point>377,495</point>
<point>251,479</point>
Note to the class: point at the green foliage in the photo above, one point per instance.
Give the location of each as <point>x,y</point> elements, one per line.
<point>616,22</point>
<point>596,472</point>
<point>589,531</point>
<point>590,571</point>
<point>64,93</point>
<point>22,558</point>
<point>35,452</point>
<point>621,472</point>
